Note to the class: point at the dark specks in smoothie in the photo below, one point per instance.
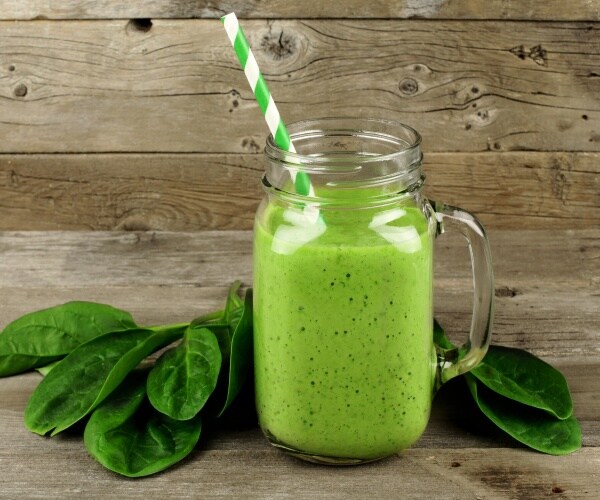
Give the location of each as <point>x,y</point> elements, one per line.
<point>347,275</point>
<point>300,308</point>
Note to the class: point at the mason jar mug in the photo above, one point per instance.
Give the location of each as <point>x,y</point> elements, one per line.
<point>345,362</point>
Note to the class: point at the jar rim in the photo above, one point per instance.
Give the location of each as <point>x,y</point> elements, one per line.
<point>405,136</point>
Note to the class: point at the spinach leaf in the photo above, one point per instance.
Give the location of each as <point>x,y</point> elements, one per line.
<point>45,370</point>
<point>88,375</point>
<point>223,323</point>
<point>234,305</point>
<point>126,435</point>
<point>439,337</point>
<point>522,377</point>
<point>223,336</point>
<point>41,337</point>
<point>212,318</point>
<point>185,376</point>
<point>530,426</point>
<point>240,362</point>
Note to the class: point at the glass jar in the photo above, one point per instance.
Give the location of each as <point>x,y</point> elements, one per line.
<point>345,363</point>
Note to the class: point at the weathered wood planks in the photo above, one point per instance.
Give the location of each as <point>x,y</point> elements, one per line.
<point>546,283</point>
<point>240,464</point>
<point>485,94</point>
<point>221,191</point>
<point>444,9</point>
<point>108,86</point>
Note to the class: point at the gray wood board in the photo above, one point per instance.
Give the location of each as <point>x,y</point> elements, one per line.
<point>450,461</point>
<point>444,9</point>
<point>104,86</point>
<point>186,192</point>
<point>547,302</point>
<point>546,281</point>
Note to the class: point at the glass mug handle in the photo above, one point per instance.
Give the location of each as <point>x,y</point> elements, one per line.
<point>456,361</point>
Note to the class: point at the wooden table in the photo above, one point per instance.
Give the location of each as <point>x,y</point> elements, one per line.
<point>547,284</point>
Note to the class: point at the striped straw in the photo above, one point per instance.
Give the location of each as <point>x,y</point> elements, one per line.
<point>265,100</point>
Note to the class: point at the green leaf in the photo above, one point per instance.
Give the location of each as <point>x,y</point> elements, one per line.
<point>41,337</point>
<point>126,435</point>
<point>45,370</point>
<point>231,313</point>
<point>223,323</point>
<point>439,336</point>
<point>223,336</point>
<point>530,426</point>
<point>522,377</point>
<point>185,376</point>
<point>88,375</point>
<point>234,305</point>
<point>212,318</point>
<point>240,361</point>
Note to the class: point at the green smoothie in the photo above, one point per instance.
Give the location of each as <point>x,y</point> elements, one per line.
<point>344,357</point>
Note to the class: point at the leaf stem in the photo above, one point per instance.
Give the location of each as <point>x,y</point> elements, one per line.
<point>174,326</point>
<point>208,317</point>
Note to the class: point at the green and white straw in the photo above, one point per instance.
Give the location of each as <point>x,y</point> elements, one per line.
<point>265,100</point>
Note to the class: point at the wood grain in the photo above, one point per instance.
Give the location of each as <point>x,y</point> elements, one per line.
<point>242,465</point>
<point>547,302</point>
<point>546,281</point>
<point>108,86</point>
<point>443,9</point>
<point>129,191</point>
<point>187,192</point>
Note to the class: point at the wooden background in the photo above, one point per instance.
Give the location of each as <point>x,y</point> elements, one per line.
<point>119,120</point>
<point>136,115</point>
